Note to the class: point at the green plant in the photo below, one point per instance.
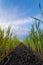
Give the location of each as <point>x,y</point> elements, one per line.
<point>7,42</point>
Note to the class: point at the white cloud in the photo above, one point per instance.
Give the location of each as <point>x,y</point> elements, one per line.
<point>7,18</point>
<point>23,21</point>
<point>15,26</point>
<point>15,23</point>
<point>13,19</point>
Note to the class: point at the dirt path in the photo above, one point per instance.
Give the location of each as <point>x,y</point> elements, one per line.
<point>22,55</point>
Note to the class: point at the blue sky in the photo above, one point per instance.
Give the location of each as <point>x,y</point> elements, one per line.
<point>17,14</point>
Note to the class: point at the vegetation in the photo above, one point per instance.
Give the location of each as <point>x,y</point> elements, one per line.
<point>35,37</point>
<point>7,42</point>
<point>33,40</point>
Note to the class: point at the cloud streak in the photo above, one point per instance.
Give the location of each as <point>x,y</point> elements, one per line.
<point>15,18</point>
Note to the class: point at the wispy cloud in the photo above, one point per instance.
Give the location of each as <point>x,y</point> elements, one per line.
<point>6,20</point>
<point>15,18</point>
<point>12,17</point>
<point>16,23</point>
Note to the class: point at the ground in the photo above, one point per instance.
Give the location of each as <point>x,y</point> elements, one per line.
<point>22,55</point>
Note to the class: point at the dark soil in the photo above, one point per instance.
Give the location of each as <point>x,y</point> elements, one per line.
<point>22,55</point>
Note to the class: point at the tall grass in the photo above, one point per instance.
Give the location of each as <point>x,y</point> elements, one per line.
<point>7,42</point>
<point>35,38</point>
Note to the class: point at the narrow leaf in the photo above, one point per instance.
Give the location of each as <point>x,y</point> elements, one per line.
<point>39,5</point>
